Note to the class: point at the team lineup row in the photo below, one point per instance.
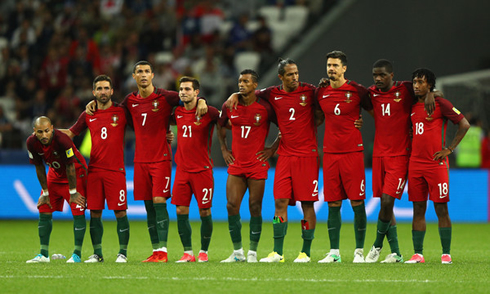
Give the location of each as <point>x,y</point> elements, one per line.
<point>410,121</point>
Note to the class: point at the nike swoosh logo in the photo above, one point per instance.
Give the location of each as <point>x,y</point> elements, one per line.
<point>412,114</point>
<point>374,95</point>
<point>165,191</point>
<point>234,116</point>
<point>79,229</point>
<point>91,119</point>
<point>123,230</point>
<point>398,193</point>
<point>134,105</point>
<point>205,202</point>
<point>325,96</point>
<point>120,204</point>
<point>277,98</point>
<point>314,194</point>
<point>255,233</point>
<point>180,116</point>
<point>442,196</point>
<point>40,153</point>
<point>361,194</point>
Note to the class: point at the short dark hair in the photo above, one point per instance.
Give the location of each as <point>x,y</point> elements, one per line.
<point>282,64</point>
<point>101,78</point>
<point>384,63</point>
<point>337,54</point>
<point>195,82</point>
<point>142,62</point>
<point>253,73</point>
<point>428,74</point>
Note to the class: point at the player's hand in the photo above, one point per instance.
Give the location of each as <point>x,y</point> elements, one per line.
<point>324,82</point>
<point>265,154</point>
<point>440,155</point>
<point>43,200</point>
<point>232,102</point>
<point>202,108</point>
<point>170,137</point>
<point>358,122</point>
<point>90,108</point>
<point>77,198</point>
<point>228,156</point>
<point>430,103</point>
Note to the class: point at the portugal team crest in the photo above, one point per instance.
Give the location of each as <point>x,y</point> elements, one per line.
<point>348,95</point>
<point>303,100</point>
<point>115,119</point>
<point>155,104</point>
<point>198,121</point>
<point>257,119</point>
<point>397,95</point>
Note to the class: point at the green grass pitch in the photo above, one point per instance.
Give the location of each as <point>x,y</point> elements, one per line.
<point>469,272</point>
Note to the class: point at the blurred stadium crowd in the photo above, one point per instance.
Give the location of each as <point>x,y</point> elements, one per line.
<point>52,49</point>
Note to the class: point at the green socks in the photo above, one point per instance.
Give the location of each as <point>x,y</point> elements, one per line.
<point>381,231</point>
<point>206,232</point>
<point>334,223</point>
<point>185,231</point>
<point>96,232</point>
<point>79,227</point>
<point>392,237</point>
<point>418,241</point>
<point>360,221</point>
<point>445,234</point>
<point>44,227</point>
<point>235,227</point>
<point>307,236</point>
<point>162,222</point>
<point>280,229</point>
<point>152,223</point>
<point>123,234</point>
<point>255,231</point>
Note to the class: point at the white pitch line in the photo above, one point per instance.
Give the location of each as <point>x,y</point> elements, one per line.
<point>230,279</point>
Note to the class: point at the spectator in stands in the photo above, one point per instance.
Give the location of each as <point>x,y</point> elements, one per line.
<point>239,36</point>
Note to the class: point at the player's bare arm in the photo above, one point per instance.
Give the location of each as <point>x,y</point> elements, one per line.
<point>463,127</point>
<point>232,101</point>
<point>75,196</point>
<point>268,152</point>
<point>227,155</point>
<point>202,107</point>
<point>90,107</point>
<point>319,116</point>
<point>41,176</point>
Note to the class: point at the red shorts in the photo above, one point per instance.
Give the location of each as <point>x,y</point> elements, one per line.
<point>60,191</point>
<point>296,179</point>
<point>152,180</point>
<point>200,184</point>
<point>343,176</point>
<point>390,175</point>
<point>106,185</point>
<point>258,171</point>
<point>433,182</point>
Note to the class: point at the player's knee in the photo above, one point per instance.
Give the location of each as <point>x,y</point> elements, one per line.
<point>232,208</point>
<point>204,212</point>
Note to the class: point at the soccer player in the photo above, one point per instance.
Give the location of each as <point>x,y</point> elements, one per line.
<point>392,102</point>
<point>343,159</point>
<point>150,109</point>
<point>428,172</point>
<point>247,161</point>
<point>194,174</point>
<point>66,180</point>
<point>296,177</point>
<point>106,173</point>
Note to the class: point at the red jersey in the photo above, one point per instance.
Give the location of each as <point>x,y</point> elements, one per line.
<point>392,119</point>
<point>107,128</point>
<point>295,112</point>
<point>57,155</point>
<point>150,119</point>
<point>249,128</point>
<point>429,133</point>
<point>194,138</point>
<point>342,107</point>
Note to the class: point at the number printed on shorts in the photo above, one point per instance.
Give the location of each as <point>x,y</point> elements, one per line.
<point>315,190</point>
<point>363,188</point>
<point>208,195</point>
<point>54,164</point>
<point>443,190</point>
